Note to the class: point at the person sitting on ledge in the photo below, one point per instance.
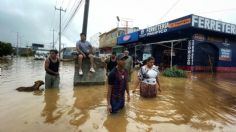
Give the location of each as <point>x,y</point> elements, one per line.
<point>84,49</point>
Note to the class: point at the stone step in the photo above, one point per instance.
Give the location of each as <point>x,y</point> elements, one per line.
<point>89,78</point>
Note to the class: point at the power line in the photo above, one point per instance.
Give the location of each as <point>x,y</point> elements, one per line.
<point>172,7</point>
<point>72,16</point>
<point>52,24</point>
<point>70,12</point>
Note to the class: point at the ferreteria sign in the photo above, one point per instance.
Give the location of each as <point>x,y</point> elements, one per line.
<point>166,27</point>
<point>214,25</point>
<point>187,22</point>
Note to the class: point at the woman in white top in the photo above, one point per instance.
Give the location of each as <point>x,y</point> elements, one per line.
<point>148,79</point>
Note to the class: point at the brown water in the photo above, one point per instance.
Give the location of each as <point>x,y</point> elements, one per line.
<point>202,102</point>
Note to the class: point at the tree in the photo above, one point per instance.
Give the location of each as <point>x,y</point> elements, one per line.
<point>5,48</point>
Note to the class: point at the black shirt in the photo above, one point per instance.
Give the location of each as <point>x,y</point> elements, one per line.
<point>54,66</point>
<point>111,64</point>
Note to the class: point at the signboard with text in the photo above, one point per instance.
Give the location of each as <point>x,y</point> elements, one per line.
<point>213,25</point>
<point>225,54</point>
<point>189,21</point>
<point>128,38</point>
<point>166,27</point>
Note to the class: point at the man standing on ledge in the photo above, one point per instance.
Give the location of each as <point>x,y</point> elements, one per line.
<point>52,78</point>
<point>85,50</point>
<point>117,85</point>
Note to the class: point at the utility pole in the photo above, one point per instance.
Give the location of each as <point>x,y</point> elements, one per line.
<point>60,9</point>
<point>118,21</point>
<point>86,12</point>
<point>17,38</point>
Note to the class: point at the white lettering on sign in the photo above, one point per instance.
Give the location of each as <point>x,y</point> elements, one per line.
<point>214,25</point>
<point>225,54</point>
<point>190,53</point>
<point>201,22</point>
<point>233,30</point>
<point>207,24</point>
<point>157,29</point>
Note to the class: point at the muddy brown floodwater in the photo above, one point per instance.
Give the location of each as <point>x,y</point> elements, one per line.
<point>201,102</point>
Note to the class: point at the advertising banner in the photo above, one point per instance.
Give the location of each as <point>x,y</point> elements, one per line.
<point>166,27</point>
<point>128,38</point>
<point>225,54</point>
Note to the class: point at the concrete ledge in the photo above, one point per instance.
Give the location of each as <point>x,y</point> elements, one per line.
<point>89,78</point>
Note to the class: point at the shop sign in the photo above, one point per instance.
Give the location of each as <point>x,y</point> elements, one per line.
<point>154,30</point>
<point>190,53</point>
<point>214,25</point>
<point>127,37</point>
<point>225,54</point>
<point>199,37</point>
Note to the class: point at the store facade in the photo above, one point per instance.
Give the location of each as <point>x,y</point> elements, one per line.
<point>192,42</point>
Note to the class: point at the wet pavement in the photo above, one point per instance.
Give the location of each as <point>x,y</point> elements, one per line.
<point>201,102</point>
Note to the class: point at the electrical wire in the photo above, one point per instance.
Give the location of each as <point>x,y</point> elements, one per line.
<point>171,8</point>
<point>72,16</point>
<point>71,11</point>
<point>52,23</point>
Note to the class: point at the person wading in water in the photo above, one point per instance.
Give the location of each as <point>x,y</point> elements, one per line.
<point>52,63</point>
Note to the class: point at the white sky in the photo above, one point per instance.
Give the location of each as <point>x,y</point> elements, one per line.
<point>34,19</point>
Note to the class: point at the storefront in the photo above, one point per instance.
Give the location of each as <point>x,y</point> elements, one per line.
<point>192,42</point>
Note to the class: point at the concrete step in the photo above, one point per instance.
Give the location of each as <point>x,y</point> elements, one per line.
<point>89,78</point>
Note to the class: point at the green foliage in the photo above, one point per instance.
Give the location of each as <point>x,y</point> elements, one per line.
<point>5,49</point>
<point>174,72</point>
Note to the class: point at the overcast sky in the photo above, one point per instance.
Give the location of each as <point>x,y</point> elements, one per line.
<point>35,19</point>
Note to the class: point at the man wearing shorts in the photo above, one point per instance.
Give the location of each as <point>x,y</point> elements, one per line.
<point>84,49</point>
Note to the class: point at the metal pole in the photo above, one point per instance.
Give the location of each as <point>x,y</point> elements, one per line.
<point>126,27</point>
<point>17,37</point>
<point>60,31</point>
<point>86,12</point>
<point>171,54</point>
<point>60,35</point>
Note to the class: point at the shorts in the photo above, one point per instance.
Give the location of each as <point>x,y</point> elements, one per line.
<point>86,55</point>
<point>117,105</point>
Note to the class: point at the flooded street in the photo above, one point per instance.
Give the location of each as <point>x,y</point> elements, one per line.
<point>201,102</point>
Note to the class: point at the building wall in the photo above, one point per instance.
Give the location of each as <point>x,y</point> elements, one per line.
<point>215,54</point>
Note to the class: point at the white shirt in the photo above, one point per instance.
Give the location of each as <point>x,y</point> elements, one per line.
<point>151,74</point>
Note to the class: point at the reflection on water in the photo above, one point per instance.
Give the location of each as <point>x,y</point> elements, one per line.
<point>201,102</point>
<point>51,97</point>
<point>117,122</point>
<point>86,98</point>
